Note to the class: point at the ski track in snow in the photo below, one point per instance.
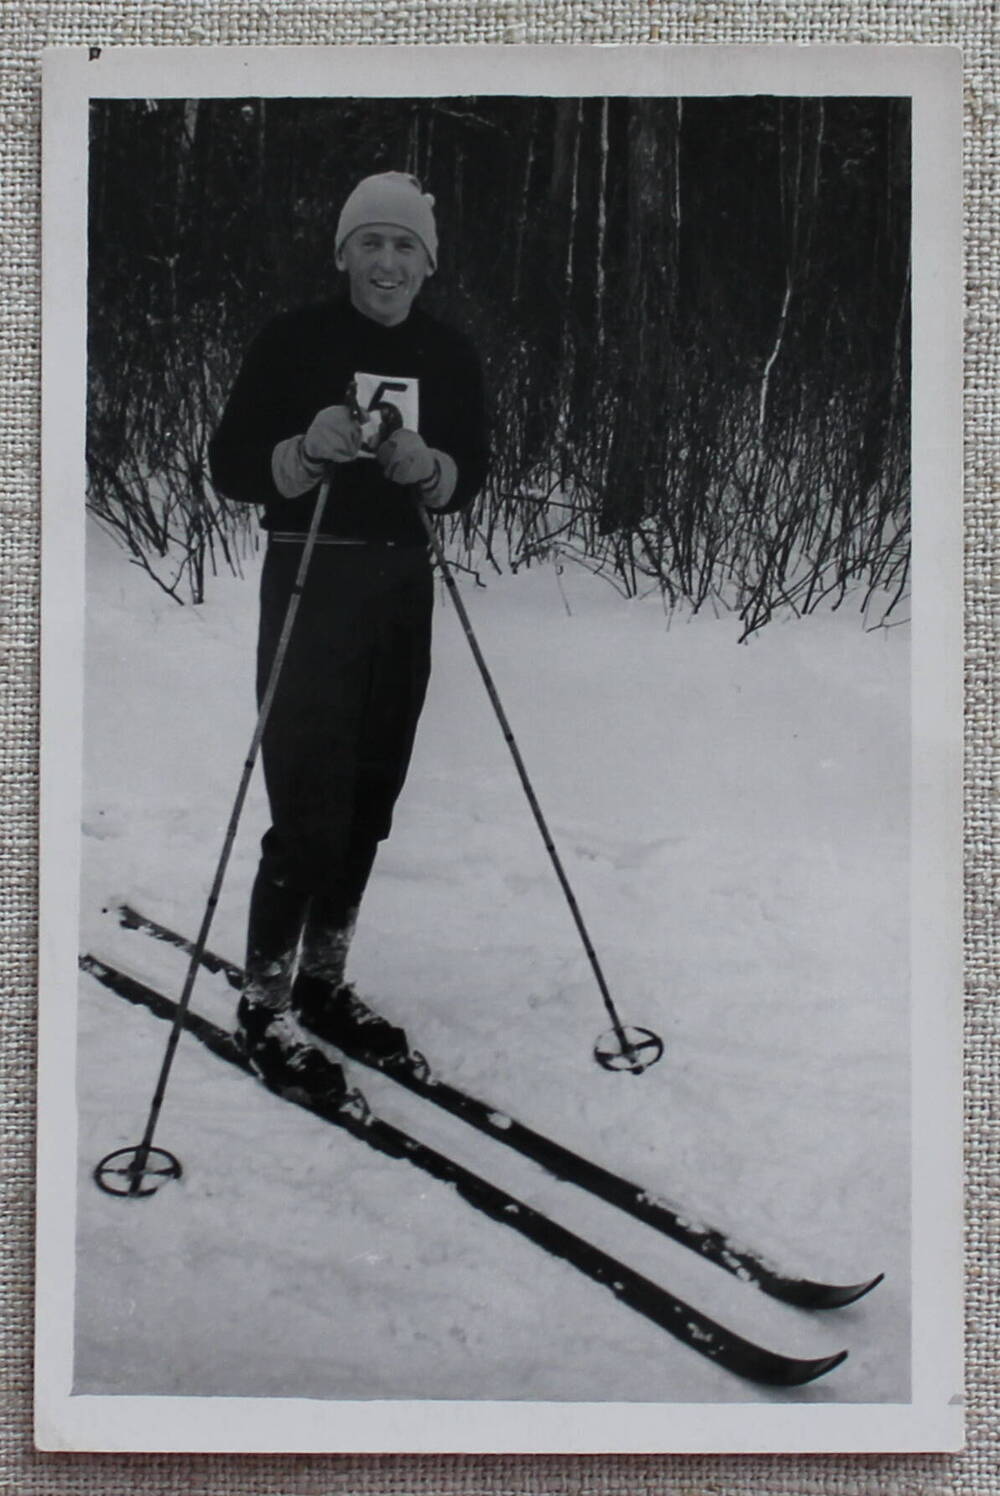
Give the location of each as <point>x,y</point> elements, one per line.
<point>733,821</point>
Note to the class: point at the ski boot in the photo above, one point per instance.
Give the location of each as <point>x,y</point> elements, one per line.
<point>282,1056</point>
<point>338,1015</point>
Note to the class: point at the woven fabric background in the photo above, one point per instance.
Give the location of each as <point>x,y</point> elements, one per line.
<point>25,27</point>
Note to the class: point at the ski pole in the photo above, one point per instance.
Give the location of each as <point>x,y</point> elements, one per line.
<point>133,1163</point>
<point>637,1048</point>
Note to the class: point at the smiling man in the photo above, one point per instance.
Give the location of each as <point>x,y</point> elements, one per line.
<point>309,403</point>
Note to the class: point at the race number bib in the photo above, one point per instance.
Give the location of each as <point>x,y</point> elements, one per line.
<point>374,390</point>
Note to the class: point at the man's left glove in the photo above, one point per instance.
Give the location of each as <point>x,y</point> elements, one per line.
<point>405,458</point>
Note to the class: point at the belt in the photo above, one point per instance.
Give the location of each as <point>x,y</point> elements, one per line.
<point>291,537</point>
<point>294,537</point>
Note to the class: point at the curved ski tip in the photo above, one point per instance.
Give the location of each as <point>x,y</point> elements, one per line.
<point>850,1293</point>
<point>822,1365</point>
<point>786,1371</point>
<point>862,1288</point>
<point>803,1293</point>
<point>797,1373</point>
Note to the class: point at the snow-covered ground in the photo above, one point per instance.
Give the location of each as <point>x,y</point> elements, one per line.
<point>734,820</point>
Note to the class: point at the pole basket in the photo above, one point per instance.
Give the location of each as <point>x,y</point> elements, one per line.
<point>641,1049</point>
<point>137,1171</point>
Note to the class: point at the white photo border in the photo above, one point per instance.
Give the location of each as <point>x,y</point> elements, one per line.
<point>931,77</point>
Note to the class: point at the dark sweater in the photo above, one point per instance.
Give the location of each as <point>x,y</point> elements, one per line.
<point>305,360</point>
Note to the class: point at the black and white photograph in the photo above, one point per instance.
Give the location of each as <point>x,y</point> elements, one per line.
<point>499,893</point>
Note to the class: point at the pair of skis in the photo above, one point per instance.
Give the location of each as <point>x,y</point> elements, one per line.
<point>698,1331</point>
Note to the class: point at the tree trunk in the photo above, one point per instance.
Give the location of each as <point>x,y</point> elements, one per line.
<point>561,174</point>
<point>524,202</point>
<point>602,225</point>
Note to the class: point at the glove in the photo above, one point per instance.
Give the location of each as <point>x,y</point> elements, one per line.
<point>299,462</point>
<point>406,458</point>
<point>334,436</point>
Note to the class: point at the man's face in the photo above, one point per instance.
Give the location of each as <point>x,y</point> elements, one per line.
<point>386,266</point>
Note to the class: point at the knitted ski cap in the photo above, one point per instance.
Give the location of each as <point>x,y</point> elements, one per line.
<point>391,197</point>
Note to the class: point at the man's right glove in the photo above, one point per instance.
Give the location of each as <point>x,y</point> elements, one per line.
<point>299,462</point>
<point>334,436</point>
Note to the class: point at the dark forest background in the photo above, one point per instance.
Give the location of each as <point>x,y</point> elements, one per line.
<point>693,315</point>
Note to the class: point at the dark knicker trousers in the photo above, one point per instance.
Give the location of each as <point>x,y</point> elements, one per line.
<point>339,737</point>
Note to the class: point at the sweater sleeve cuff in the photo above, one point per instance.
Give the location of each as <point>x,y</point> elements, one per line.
<point>439,487</point>
<point>293,472</point>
